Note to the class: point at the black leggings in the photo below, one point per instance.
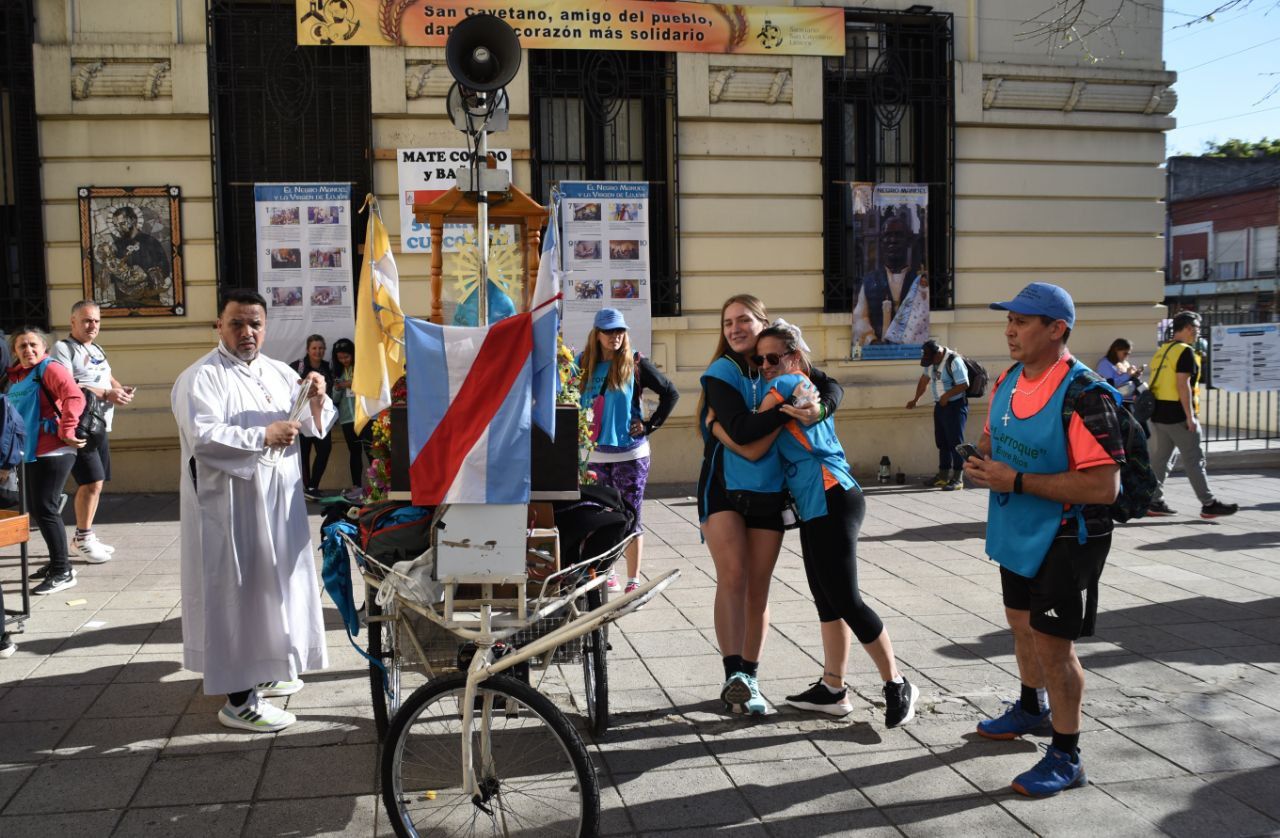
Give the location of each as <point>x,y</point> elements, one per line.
<point>47,477</point>
<point>313,474</point>
<point>830,548</point>
<point>358,448</point>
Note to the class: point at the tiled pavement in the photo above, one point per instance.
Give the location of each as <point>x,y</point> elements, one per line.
<point>103,733</point>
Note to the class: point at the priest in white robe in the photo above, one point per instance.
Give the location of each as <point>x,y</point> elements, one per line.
<point>251,613</point>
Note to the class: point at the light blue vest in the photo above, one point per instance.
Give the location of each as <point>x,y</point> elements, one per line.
<point>615,415</point>
<point>740,474</point>
<point>1021,528</point>
<point>802,465</point>
<point>25,396</point>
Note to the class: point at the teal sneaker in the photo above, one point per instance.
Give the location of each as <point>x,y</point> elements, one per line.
<point>1055,772</point>
<point>735,691</point>
<point>1016,722</point>
<point>755,705</point>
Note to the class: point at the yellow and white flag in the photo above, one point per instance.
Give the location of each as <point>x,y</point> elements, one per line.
<point>379,324</point>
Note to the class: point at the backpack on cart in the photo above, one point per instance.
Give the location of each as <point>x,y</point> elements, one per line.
<point>394,531</point>
<point>600,520</point>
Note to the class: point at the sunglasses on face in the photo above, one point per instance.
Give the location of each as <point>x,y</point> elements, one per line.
<point>613,333</point>
<point>773,359</point>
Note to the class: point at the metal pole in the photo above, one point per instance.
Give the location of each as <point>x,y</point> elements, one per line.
<point>482,221</point>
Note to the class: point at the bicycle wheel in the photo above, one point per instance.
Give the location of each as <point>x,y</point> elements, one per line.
<point>535,777</point>
<point>595,647</point>
<point>381,648</point>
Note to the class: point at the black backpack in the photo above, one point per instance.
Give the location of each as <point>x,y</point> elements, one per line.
<point>394,531</point>
<point>978,378</point>
<point>1137,479</point>
<point>592,525</point>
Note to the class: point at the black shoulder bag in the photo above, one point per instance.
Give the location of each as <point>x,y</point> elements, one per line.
<point>93,421</point>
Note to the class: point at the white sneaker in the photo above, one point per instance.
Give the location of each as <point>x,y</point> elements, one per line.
<point>91,550</point>
<point>612,583</point>
<point>257,716</point>
<point>278,689</point>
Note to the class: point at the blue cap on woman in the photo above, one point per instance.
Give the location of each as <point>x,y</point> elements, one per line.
<point>609,319</point>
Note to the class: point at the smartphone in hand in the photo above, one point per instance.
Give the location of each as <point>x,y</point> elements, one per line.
<point>967,450</point>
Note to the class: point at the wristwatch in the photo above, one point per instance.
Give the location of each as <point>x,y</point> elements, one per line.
<point>1017,483</point>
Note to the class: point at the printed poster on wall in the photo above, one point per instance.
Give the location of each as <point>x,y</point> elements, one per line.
<point>663,26</point>
<point>891,308</point>
<point>605,230</point>
<point>424,175</point>
<point>1245,358</point>
<point>304,264</point>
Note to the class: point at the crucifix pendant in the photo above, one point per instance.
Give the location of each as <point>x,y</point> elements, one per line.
<point>1005,417</point>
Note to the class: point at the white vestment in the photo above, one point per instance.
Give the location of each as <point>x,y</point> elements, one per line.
<point>250,596</point>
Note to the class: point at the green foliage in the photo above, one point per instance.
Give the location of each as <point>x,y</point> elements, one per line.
<point>1243,148</point>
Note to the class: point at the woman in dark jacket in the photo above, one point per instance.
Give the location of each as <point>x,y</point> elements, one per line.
<point>50,403</point>
<point>613,378</point>
<point>312,473</point>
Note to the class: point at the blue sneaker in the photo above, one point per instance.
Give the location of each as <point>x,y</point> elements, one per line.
<point>735,691</point>
<point>755,705</point>
<point>1055,772</point>
<point>1016,722</point>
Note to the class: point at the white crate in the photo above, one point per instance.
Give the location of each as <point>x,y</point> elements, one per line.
<point>482,540</point>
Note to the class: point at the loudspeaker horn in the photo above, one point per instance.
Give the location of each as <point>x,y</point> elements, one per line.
<point>483,53</point>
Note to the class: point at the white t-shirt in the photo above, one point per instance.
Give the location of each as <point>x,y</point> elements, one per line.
<point>89,367</point>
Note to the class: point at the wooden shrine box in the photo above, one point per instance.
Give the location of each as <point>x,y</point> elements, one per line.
<point>512,207</point>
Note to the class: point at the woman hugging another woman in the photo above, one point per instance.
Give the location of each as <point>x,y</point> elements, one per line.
<point>831,508</point>
<point>740,501</point>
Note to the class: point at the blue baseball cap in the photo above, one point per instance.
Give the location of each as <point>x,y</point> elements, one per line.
<point>608,319</point>
<point>1043,299</point>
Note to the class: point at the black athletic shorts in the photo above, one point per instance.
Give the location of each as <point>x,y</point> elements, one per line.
<point>712,498</point>
<point>1063,596</point>
<point>93,463</point>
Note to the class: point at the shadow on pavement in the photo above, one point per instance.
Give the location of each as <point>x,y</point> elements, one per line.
<point>1138,630</point>
<point>1217,541</point>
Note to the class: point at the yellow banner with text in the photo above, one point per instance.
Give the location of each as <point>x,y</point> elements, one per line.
<point>581,24</point>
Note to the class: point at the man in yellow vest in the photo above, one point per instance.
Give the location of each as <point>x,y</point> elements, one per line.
<point>1175,382</point>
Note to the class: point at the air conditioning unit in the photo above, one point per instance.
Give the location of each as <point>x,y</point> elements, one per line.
<point>1192,269</point>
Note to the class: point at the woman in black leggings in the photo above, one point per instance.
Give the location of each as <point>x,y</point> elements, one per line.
<point>831,508</point>
<point>50,403</point>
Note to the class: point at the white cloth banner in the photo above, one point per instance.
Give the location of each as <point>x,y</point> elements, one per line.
<point>304,264</point>
<point>605,235</point>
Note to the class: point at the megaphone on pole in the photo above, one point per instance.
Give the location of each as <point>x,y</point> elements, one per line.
<point>483,53</point>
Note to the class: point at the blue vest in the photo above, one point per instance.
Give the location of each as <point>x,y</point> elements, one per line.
<point>1021,528</point>
<point>740,474</point>
<point>25,396</point>
<point>613,410</point>
<point>802,464</point>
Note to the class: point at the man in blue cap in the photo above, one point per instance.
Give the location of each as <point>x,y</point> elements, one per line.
<point>1052,463</point>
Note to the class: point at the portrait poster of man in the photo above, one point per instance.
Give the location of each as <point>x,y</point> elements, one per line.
<point>131,249</point>
<point>891,308</point>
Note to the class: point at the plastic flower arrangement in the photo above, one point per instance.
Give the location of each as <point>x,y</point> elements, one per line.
<point>571,393</point>
<point>379,471</point>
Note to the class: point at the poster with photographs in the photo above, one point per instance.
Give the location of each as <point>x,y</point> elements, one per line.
<point>424,175</point>
<point>305,264</point>
<point>131,249</point>
<point>606,257</point>
<point>891,306</point>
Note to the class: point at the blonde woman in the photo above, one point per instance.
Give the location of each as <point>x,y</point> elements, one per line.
<point>739,501</point>
<point>613,377</point>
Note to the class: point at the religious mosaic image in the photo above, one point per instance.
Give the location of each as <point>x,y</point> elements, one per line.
<point>131,249</point>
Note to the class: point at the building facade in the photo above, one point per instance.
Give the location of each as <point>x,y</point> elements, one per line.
<point>1042,162</point>
<point>1223,214</point>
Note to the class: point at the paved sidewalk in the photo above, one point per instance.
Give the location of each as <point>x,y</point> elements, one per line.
<point>103,733</point>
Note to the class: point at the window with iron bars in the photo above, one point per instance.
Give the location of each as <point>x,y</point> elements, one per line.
<point>24,296</point>
<point>889,117</point>
<point>609,115</point>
